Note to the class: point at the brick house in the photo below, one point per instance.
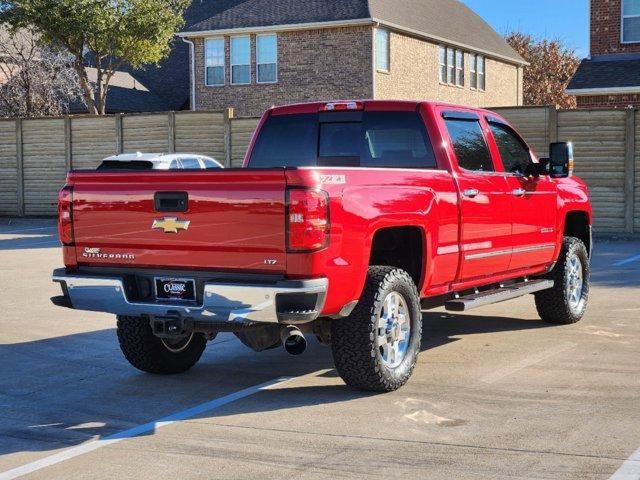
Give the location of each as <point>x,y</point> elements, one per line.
<point>610,77</point>
<point>251,54</point>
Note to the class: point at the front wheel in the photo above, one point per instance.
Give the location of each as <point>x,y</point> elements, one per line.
<point>151,354</point>
<point>376,347</point>
<point>566,302</point>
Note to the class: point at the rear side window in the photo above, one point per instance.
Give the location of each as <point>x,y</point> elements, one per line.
<point>190,163</point>
<point>369,139</point>
<point>470,145</point>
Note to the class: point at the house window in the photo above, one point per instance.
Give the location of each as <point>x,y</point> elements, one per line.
<point>443,65</point>
<point>630,21</point>
<point>240,60</point>
<point>478,76</point>
<point>451,63</point>
<point>214,61</point>
<point>460,68</point>
<point>267,58</point>
<point>382,50</point>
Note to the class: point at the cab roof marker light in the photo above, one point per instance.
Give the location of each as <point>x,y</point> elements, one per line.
<point>342,106</point>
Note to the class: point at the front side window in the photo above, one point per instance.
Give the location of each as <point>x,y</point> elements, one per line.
<point>240,60</point>
<point>267,58</point>
<point>630,21</point>
<point>514,153</point>
<point>382,50</point>
<point>470,146</point>
<point>214,61</point>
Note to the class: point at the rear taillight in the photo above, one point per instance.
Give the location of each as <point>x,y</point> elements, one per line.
<point>307,220</point>
<point>65,215</point>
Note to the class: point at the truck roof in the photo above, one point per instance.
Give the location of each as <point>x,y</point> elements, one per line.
<point>402,105</point>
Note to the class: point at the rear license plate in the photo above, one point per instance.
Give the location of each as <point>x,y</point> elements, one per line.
<point>180,289</point>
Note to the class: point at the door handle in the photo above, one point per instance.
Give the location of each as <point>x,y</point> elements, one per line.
<point>471,193</point>
<point>519,192</point>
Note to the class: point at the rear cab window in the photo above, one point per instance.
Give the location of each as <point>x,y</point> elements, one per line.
<point>344,139</point>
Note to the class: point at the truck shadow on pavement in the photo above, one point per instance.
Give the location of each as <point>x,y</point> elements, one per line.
<point>60,392</point>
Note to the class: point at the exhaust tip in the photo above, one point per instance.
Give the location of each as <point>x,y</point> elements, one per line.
<point>293,341</point>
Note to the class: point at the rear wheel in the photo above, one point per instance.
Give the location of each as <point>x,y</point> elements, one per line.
<point>151,354</point>
<point>566,302</point>
<point>377,346</point>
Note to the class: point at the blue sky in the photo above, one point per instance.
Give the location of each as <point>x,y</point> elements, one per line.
<point>564,19</point>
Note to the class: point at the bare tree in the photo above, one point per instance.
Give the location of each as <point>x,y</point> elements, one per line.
<point>552,64</point>
<point>36,80</point>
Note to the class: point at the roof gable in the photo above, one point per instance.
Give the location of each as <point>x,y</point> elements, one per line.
<point>231,14</point>
<point>448,21</point>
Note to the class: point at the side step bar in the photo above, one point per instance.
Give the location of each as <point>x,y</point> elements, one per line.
<point>508,292</point>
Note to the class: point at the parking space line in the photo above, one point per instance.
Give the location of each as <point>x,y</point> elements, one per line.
<point>627,261</point>
<point>140,429</point>
<point>630,470</point>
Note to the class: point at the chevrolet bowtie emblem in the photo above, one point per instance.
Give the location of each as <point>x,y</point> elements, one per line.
<point>170,224</point>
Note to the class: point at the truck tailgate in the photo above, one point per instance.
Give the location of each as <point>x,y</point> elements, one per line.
<point>234,219</point>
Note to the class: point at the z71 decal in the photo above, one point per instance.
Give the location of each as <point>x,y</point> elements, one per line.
<point>332,179</point>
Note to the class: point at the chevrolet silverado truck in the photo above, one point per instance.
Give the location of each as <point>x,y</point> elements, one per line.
<point>347,220</point>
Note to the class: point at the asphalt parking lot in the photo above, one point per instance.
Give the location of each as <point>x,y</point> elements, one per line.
<point>497,394</point>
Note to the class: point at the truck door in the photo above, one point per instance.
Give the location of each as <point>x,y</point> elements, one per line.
<point>485,234</point>
<point>533,201</point>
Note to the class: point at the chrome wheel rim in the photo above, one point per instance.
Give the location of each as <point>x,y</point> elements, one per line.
<point>178,345</point>
<point>574,282</point>
<point>393,330</point>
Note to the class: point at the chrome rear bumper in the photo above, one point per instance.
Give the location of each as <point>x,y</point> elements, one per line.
<point>221,302</point>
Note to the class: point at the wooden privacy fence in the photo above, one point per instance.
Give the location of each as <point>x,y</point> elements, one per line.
<point>36,153</point>
<point>607,154</point>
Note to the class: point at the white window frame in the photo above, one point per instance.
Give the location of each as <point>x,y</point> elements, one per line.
<point>258,57</point>
<point>623,17</point>
<point>442,64</point>
<point>231,64</point>
<point>388,51</point>
<point>451,68</point>
<point>224,66</point>
<point>474,70</point>
<point>459,68</point>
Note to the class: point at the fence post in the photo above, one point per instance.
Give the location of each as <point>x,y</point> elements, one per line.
<point>20,168</point>
<point>629,170</point>
<point>119,139</point>
<point>68,154</point>
<point>172,131</point>
<point>553,124</point>
<point>228,146</point>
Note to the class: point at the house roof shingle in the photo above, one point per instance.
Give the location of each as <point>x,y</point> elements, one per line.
<point>607,73</point>
<point>444,20</point>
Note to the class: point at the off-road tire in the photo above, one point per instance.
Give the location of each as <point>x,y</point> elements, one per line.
<point>356,357</point>
<point>553,305</point>
<point>148,353</point>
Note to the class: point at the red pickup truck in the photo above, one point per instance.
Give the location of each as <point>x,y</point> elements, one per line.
<point>346,221</point>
